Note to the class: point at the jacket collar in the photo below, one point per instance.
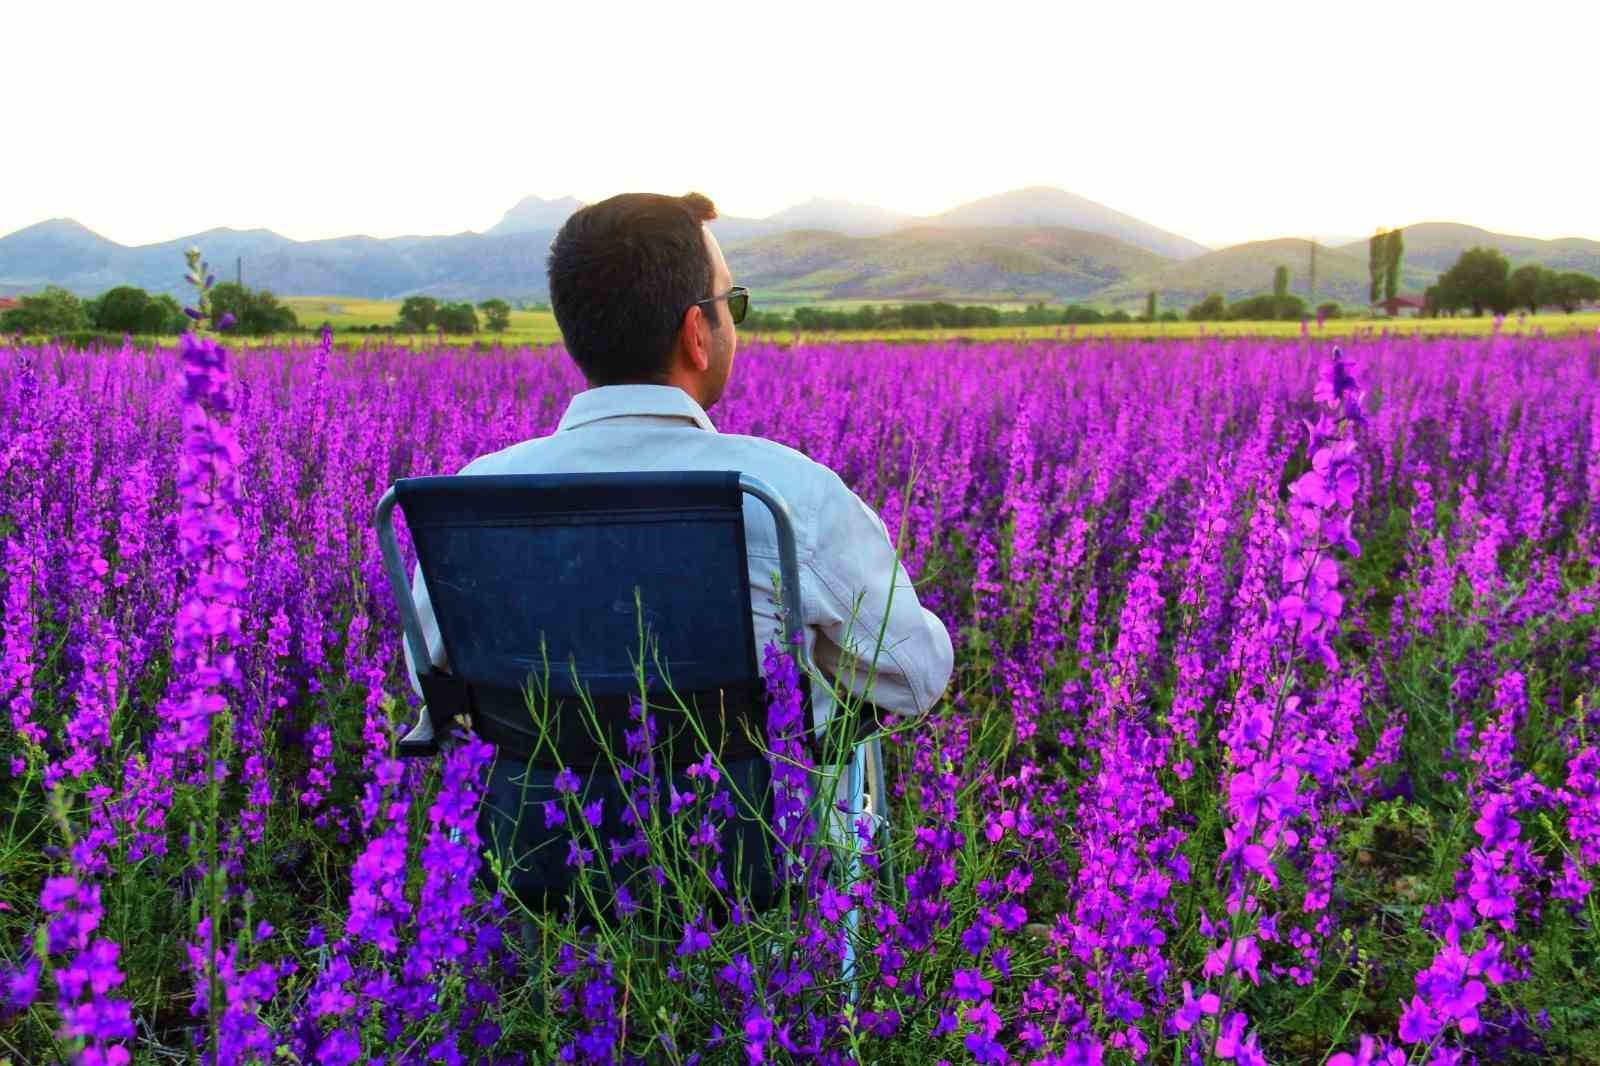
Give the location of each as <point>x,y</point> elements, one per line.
<point>623,401</point>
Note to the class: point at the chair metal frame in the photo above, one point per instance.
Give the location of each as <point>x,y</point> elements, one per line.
<point>864,777</point>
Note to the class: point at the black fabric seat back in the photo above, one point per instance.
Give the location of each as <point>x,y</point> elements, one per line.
<point>537,576</point>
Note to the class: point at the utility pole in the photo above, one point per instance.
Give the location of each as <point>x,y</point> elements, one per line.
<point>238,271</point>
<point>1312,298</point>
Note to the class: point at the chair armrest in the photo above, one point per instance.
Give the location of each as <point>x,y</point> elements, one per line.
<point>421,741</point>
<point>444,697</point>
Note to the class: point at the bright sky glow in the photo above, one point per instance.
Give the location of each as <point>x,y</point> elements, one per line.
<point>1221,122</point>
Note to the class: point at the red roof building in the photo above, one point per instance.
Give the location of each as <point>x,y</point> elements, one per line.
<point>7,303</point>
<point>1396,304</point>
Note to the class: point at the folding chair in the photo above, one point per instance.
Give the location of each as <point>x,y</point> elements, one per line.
<point>536,576</point>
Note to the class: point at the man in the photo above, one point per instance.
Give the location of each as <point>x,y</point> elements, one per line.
<point>647,307</point>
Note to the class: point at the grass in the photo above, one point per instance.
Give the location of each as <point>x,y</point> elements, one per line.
<point>1552,325</point>
<point>346,312</point>
<point>537,328</point>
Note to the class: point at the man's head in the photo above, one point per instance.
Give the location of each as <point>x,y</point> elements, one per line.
<point>639,285</point>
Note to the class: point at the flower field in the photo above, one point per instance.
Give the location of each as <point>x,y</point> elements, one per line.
<point>1272,735</point>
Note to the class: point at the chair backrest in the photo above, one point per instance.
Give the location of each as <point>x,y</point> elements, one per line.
<point>533,576</point>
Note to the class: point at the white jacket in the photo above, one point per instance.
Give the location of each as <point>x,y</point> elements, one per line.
<point>847,560</point>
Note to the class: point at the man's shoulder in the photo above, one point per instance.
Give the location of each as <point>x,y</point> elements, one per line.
<point>760,456</point>
<point>504,461</point>
<point>780,456</point>
<point>790,466</point>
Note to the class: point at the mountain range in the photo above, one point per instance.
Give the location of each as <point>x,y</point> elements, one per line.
<point>1037,243</point>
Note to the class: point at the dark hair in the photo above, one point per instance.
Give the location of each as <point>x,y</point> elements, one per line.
<point>622,272</point>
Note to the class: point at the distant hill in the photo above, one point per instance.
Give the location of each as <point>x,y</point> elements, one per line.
<point>1437,245</point>
<point>58,251</point>
<point>59,245</point>
<point>1029,244</point>
<point>839,216</point>
<point>1045,206</point>
<point>532,213</point>
<point>462,266</point>
<point>1247,269</point>
<point>991,249</point>
<point>1051,263</point>
<point>62,252</point>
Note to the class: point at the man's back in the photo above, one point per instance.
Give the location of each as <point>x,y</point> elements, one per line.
<point>847,564</point>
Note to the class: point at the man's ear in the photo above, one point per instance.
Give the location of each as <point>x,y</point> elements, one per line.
<point>694,339</point>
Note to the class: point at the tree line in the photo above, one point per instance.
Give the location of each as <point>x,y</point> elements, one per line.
<point>933,315</point>
<point>1280,305</point>
<point>55,311</point>
<point>1482,280</point>
<point>422,314</point>
<point>128,309</point>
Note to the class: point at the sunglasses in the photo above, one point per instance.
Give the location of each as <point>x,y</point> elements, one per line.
<point>738,299</point>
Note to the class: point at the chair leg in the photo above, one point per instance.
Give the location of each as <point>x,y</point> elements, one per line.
<point>855,803</point>
<point>877,783</point>
<point>865,795</point>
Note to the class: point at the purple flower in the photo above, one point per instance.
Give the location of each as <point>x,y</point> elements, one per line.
<point>985,1018</point>
<point>1418,1023</point>
<point>1229,1035</point>
<point>986,1050</point>
<point>1188,1015</point>
<point>1264,790</point>
<point>21,988</point>
<point>705,769</point>
<point>1369,1053</point>
<point>342,1047</point>
<point>1496,823</point>
<point>696,937</point>
<point>758,1030</point>
<point>1492,888</point>
<point>1240,955</point>
<point>972,986</point>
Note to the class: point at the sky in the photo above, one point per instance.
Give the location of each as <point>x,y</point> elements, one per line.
<point>1222,122</point>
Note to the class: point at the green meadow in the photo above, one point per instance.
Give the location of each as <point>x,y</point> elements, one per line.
<point>539,327</point>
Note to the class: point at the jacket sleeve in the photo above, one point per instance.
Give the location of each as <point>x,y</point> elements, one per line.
<point>857,589</point>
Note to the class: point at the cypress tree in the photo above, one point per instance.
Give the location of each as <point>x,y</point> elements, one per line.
<point>1377,256</point>
<point>1394,250</point>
